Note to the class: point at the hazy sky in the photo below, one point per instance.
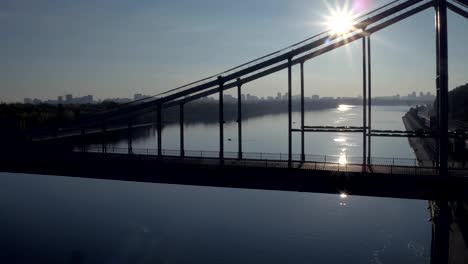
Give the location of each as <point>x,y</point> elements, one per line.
<point>115,48</point>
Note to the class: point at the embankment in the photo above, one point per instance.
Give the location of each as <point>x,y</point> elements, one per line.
<point>424,148</point>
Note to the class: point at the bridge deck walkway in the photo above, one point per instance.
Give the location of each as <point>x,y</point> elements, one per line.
<point>303,165</point>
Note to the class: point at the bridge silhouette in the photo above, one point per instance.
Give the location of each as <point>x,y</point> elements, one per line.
<point>407,178</point>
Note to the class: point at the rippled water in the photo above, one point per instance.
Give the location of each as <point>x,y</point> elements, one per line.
<point>51,219</point>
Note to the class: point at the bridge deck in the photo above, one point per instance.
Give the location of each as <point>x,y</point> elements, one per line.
<point>389,166</point>
<point>376,180</point>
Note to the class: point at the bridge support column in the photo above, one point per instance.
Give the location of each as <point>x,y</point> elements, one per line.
<point>289,114</point>
<point>159,129</point>
<point>181,121</point>
<point>436,156</point>
<point>239,118</point>
<point>221,120</point>
<point>442,80</point>
<point>302,113</point>
<point>369,86</point>
<point>364,105</point>
<point>129,137</point>
<point>441,222</point>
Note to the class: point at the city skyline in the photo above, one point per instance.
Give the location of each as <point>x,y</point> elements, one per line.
<point>108,49</point>
<point>90,99</point>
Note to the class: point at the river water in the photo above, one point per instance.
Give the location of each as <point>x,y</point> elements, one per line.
<point>50,219</point>
<point>268,134</point>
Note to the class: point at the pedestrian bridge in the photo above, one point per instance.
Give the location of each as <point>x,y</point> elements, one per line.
<point>411,175</point>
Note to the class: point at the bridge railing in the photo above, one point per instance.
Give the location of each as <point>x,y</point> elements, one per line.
<point>332,159</point>
<point>312,162</point>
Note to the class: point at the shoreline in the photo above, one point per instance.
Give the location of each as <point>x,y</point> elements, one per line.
<point>419,145</point>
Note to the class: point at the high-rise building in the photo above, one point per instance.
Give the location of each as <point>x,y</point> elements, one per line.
<point>68,98</point>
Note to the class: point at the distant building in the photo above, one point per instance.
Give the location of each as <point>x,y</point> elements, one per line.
<point>138,96</point>
<point>250,97</point>
<point>315,97</point>
<point>69,98</point>
<point>118,100</point>
<point>278,96</point>
<point>28,101</point>
<point>60,99</point>
<point>229,98</point>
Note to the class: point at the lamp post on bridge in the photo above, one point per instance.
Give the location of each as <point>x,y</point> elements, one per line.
<point>129,136</point>
<point>159,128</point>
<point>239,118</point>
<point>181,122</point>
<point>302,113</point>
<point>103,136</point>
<point>221,120</point>
<point>83,139</point>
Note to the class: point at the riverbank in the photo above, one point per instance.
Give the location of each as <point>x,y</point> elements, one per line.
<point>423,147</point>
<point>449,229</point>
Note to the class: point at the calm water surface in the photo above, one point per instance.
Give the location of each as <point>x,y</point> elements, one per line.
<point>269,134</point>
<point>50,219</point>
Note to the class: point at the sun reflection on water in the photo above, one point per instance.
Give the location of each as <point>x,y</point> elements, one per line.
<point>344,107</point>
<point>339,139</point>
<point>342,160</point>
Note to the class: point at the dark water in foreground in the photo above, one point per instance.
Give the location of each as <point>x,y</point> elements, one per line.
<point>50,219</point>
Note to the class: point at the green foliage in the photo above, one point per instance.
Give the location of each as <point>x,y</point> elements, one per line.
<point>26,116</point>
<point>458,103</point>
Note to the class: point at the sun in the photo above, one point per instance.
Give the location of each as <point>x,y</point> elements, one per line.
<point>340,21</point>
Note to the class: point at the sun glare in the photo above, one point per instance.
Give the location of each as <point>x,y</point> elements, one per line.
<point>342,159</point>
<point>340,21</point>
